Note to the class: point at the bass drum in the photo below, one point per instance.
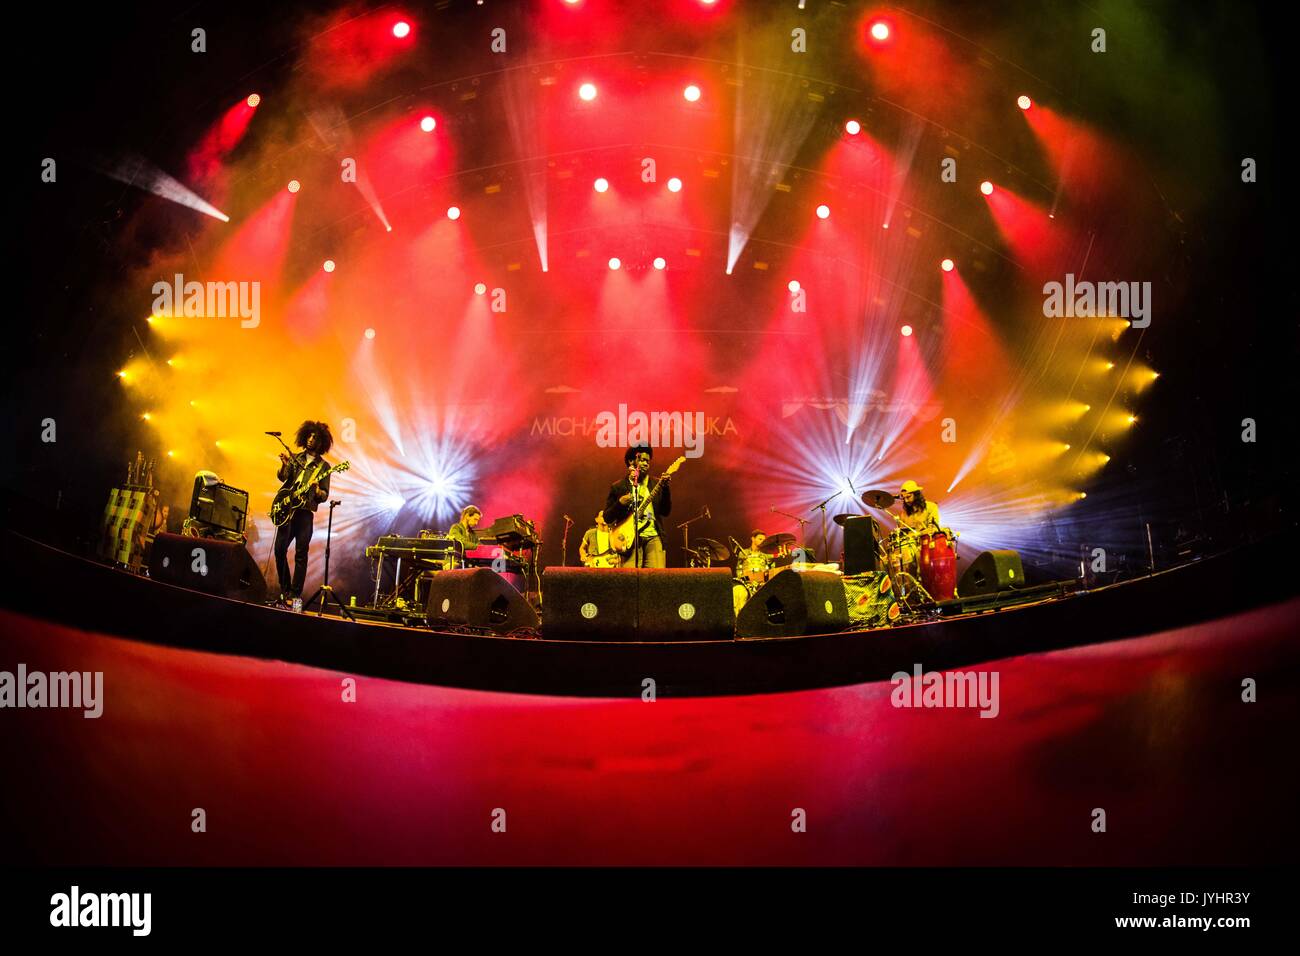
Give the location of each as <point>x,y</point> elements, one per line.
<point>741,592</point>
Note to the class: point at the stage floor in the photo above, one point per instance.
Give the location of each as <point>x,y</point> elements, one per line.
<point>1153,730</point>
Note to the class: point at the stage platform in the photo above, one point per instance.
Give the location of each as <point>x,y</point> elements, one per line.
<point>49,584</point>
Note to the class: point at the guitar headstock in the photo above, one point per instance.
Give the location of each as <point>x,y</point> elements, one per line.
<point>672,469</point>
<point>341,466</point>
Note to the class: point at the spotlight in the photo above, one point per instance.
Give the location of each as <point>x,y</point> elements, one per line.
<point>692,93</point>
<point>661,263</point>
<point>253,100</point>
<point>880,31</point>
<point>329,265</point>
<point>823,211</point>
<point>602,185</point>
<point>146,416</point>
<point>674,185</point>
<point>947,265</point>
<point>294,185</point>
<point>615,263</point>
<point>793,285</point>
<point>370,333</point>
<point>428,124</point>
<point>453,212</point>
<point>1083,494</point>
<point>1109,366</point>
<point>853,127</point>
<point>1132,419</point>
<point>480,288</point>
<point>906,330</point>
<point>1024,102</point>
<point>986,188</point>
<point>401,29</point>
<point>587,91</point>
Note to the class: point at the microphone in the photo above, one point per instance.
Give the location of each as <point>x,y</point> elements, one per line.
<point>274,434</point>
<point>568,519</point>
<point>706,512</point>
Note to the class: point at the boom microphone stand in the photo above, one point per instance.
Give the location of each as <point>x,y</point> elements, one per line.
<point>325,592</point>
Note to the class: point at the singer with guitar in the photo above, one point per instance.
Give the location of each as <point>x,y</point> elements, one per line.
<point>306,483</point>
<point>635,510</point>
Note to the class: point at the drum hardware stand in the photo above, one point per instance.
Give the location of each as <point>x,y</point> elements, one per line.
<point>326,593</point>
<point>802,521</point>
<point>685,527</point>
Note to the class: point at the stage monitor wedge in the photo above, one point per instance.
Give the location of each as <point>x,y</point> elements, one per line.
<point>991,572</point>
<point>210,565</point>
<point>478,597</point>
<point>630,605</point>
<point>795,603</point>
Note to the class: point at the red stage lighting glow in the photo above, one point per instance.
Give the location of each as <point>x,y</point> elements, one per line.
<point>615,263</point>
<point>906,330</point>
<point>453,212</point>
<point>294,185</point>
<point>587,91</point>
<point>853,127</point>
<point>947,265</point>
<point>661,262</point>
<point>480,288</point>
<point>674,185</point>
<point>823,211</point>
<point>793,285</point>
<point>692,93</point>
<point>401,29</point>
<point>602,185</point>
<point>253,100</point>
<point>329,265</point>
<point>986,188</point>
<point>428,124</point>
<point>1024,102</point>
<point>880,31</point>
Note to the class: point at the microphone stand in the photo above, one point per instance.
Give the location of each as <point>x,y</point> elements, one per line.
<point>325,592</point>
<point>636,520</point>
<point>802,522</point>
<point>826,534</point>
<point>564,543</point>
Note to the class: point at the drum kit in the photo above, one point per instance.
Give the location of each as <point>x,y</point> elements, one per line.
<point>755,568</point>
<point>921,564</point>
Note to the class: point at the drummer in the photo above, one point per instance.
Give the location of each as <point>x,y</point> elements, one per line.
<point>919,516</point>
<point>753,561</point>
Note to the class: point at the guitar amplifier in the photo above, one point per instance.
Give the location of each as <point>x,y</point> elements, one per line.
<point>219,505</point>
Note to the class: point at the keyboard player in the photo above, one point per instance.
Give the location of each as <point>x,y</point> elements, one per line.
<point>462,532</point>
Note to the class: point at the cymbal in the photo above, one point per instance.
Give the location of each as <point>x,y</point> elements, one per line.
<point>878,499</point>
<point>843,519</point>
<point>775,542</point>
<point>717,550</point>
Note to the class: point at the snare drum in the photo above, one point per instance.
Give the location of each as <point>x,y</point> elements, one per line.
<point>939,564</point>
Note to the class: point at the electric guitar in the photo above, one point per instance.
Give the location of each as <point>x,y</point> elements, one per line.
<point>287,500</point>
<point>623,537</point>
<point>610,559</point>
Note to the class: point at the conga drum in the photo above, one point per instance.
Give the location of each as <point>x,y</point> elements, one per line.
<point>939,565</point>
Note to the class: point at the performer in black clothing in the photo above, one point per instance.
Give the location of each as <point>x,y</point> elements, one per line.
<point>649,552</point>
<point>305,469</point>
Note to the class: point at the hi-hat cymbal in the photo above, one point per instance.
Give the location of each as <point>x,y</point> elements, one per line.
<point>717,550</point>
<point>775,542</point>
<point>878,499</point>
<point>842,519</point>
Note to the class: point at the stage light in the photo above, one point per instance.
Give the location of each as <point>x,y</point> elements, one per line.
<point>1132,419</point>
<point>853,127</point>
<point>986,188</point>
<point>146,416</point>
<point>823,211</point>
<point>793,285</point>
<point>880,31</point>
<point>253,100</point>
<point>1024,102</point>
<point>692,93</point>
<point>428,124</point>
<point>480,288</point>
<point>329,265</point>
<point>615,263</point>
<point>1083,494</point>
<point>294,185</point>
<point>602,185</point>
<point>401,29</point>
<point>171,454</point>
<point>906,330</point>
<point>453,212</point>
<point>661,262</point>
<point>171,363</point>
<point>587,91</point>
<point>122,374</point>
<point>370,333</point>
<point>1109,366</point>
<point>947,265</point>
<point>674,185</point>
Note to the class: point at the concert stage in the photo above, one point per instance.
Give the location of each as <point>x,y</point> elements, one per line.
<point>114,602</point>
<point>201,710</point>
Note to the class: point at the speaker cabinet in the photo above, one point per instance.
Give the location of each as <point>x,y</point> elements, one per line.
<point>478,597</point>
<point>860,535</point>
<point>629,604</point>
<point>209,565</point>
<point>794,603</point>
<point>991,572</point>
